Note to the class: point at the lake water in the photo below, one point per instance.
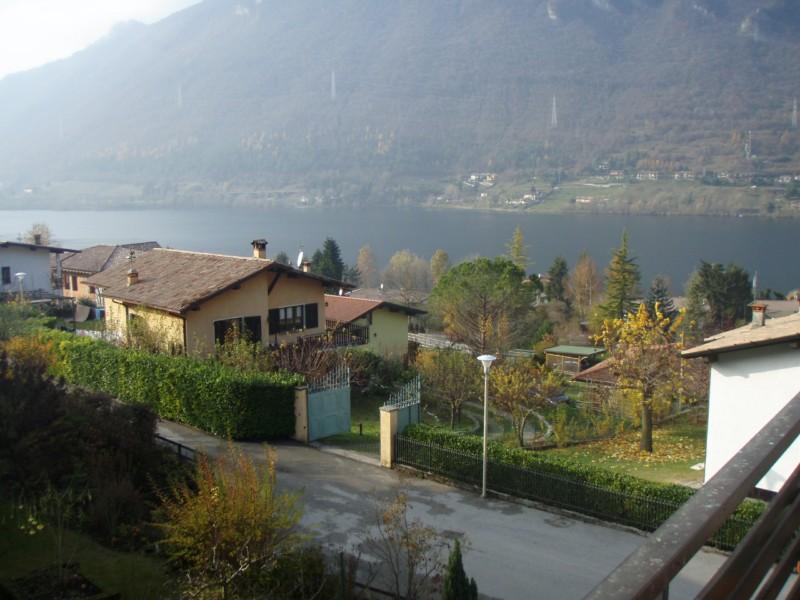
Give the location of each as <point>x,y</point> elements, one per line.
<point>672,246</point>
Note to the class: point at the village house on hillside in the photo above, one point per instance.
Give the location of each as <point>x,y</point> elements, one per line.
<point>378,325</point>
<point>77,266</point>
<point>755,372</point>
<point>193,299</point>
<point>34,261</point>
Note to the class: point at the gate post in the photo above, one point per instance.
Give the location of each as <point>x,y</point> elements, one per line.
<point>301,414</point>
<point>388,435</point>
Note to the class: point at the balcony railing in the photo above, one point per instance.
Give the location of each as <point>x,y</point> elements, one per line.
<point>761,566</point>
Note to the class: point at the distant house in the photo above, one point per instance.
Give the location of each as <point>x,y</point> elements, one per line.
<point>572,359</point>
<point>755,371</point>
<point>34,260</point>
<point>77,266</point>
<point>599,374</point>
<point>378,325</point>
<point>193,300</point>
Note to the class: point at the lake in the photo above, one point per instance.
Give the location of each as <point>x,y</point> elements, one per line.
<point>671,246</point>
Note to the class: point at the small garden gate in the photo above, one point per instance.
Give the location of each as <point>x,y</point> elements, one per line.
<point>329,404</point>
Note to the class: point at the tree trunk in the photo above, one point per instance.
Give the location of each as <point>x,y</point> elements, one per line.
<point>453,411</point>
<point>646,442</point>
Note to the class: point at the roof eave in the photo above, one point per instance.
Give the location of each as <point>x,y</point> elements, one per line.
<point>699,352</point>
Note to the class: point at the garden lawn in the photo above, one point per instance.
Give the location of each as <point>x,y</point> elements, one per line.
<point>677,446</point>
<point>134,575</point>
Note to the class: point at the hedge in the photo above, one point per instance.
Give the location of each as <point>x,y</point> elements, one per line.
<point>542,476</point>
<point>202,393</point>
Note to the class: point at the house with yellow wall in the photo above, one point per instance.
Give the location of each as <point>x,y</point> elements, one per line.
<point>192,300</point>
<point>374,324</point>
<point>76,267</point>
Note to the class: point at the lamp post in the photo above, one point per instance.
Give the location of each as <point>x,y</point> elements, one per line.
<point>486,361</point>
<point>20,278</point>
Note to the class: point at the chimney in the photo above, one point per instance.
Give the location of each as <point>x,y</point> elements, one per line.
<point>306,266</point>
<point>259,248</point>
<point>37,239</point>
<point>759,313</point>
<point>133,276</point>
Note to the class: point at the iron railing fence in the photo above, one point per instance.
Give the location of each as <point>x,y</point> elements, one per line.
<point>337,377</point>
<point>184,452</point>
<point>407,395</point>
<point>642,512</point>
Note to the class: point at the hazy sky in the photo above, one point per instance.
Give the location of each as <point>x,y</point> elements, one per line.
<point>34,32</point>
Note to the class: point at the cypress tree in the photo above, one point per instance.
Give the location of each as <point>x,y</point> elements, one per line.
<point>456,584</point>
<point>622,287</point>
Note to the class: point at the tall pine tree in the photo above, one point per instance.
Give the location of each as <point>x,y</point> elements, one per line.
<point>328,261</point>
<point>517,251</point>
<point>622,283</point>
<point>556,288</point>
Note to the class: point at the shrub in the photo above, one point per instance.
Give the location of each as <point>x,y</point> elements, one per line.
<point>203,393</point>
<point>556,480</point>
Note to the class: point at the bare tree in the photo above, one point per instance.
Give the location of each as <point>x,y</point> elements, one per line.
<point>412,553</point>
<point>365,263</point>
<point>39,234</point>
<point>408,274</point>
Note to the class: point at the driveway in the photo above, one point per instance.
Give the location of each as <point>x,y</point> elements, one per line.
<point>515,552</point>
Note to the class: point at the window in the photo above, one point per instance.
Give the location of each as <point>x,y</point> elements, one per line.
<point>6,275</point>
<point>91,289</point>
<point>250,327</point>
<point>66,281</point>
<point>293,318</point>
<point>75,282</point>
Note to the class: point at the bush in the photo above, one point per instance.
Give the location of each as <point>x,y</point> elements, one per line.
<point>562,482</point>
<point>206,394</point>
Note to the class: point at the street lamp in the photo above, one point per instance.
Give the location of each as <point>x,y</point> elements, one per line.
<point>486,361</point>
<point>20,278</point>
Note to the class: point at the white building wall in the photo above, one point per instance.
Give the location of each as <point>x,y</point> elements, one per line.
<point>35,263</point>
<point>748,388</point>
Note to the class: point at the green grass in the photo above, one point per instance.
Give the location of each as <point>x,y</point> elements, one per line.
<point>134,575</point>
<point>677,446</point>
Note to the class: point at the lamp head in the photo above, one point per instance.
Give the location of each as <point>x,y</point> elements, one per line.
<point>486,361</point>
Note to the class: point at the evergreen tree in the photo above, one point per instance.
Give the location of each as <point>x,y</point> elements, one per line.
<point>456,584</point>
<point>718,296</point>
<point>659,294</point>
<point>328,261</point>
<point>517,251</point>
<point>557,285</point>
<point>282,258</point>
<point>622,283</point>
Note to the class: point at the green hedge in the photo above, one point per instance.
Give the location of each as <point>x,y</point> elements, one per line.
<point>203,393</point>
<point>551,479</point>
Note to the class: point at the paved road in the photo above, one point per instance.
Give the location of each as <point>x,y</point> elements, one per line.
<point>515,551</point>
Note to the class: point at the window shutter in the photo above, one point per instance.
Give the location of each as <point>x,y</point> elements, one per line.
<point>312,316</point>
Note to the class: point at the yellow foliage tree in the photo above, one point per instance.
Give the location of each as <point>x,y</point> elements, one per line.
<point>231,522</point>
<point>644,355</point>
<point>521,388</point>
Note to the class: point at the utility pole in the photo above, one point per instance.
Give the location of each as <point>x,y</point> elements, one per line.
<point>748,145</point>
<point>794,114</point>
<point>554,114</point>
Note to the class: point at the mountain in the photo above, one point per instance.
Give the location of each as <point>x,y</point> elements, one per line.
<point>270,93</point>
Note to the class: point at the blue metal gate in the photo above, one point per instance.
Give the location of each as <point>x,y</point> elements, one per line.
<point>406,401</point>
<point>329,404</point>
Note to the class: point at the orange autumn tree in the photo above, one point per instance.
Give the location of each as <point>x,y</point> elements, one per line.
<point>644,356</point>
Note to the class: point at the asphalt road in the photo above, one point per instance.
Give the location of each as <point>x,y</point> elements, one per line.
<point>514,552</point>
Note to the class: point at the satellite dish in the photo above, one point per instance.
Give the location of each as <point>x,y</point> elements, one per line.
<point>300,259</point>
<point>20,275</point>
<point>341,291</point>
<point>381,287</point>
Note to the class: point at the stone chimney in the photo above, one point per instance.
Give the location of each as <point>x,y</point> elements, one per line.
<point>259,248</point>
<point>306,266</point>
<point>759,313</point>
<point>133,277</point>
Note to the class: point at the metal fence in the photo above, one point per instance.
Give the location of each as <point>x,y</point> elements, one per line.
<point>611,505</point>
<point>183,452</point>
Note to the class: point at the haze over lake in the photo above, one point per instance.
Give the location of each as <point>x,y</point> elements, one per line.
<point>672,246</point>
